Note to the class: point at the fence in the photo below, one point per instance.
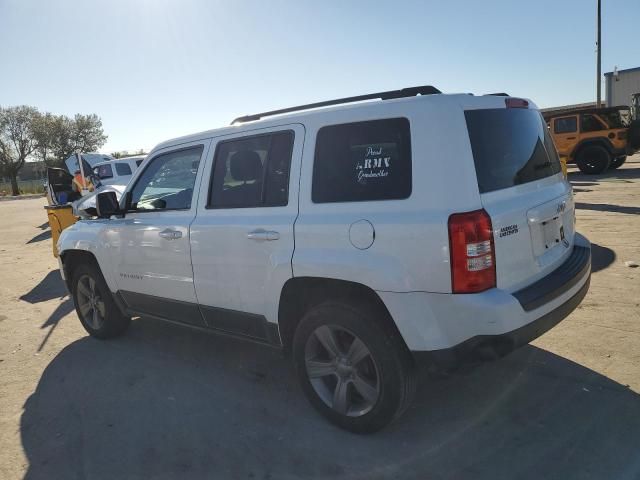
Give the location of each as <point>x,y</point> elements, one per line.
<point>25,186</point>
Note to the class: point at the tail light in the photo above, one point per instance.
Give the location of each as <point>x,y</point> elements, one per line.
<point>473,261</point>
<point>512,102</point>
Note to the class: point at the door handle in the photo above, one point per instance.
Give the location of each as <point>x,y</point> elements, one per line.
<point>170,234</point>
<point>262,235</point>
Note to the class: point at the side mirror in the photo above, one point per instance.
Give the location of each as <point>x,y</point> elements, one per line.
<point>107,204</point>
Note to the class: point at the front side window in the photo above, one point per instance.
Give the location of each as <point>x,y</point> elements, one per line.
<point>590,123</point>
<point>252,171</point>
<point>363,161</point>
<point>123,169</point>
<point>565,125</point>
<point>167,182</point>
<point>616,119</point>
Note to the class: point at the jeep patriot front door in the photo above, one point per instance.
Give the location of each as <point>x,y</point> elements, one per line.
<point>151,249</point>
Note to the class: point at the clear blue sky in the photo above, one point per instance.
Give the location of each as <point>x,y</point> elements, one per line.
<point>155,69</point>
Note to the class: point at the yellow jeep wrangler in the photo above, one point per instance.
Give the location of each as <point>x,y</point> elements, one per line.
<point>594,138</point>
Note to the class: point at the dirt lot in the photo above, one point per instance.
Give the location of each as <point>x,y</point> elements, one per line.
<point>166,402</point>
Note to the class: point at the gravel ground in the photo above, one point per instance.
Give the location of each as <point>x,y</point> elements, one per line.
<point>167,402</point>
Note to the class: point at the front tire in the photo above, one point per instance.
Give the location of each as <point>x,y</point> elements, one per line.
<point>593,159</point>
<point>617,162</point>
<point>94,304</point>
<point>353,368</point>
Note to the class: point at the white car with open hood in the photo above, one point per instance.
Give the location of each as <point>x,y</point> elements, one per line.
<point>364,236</point>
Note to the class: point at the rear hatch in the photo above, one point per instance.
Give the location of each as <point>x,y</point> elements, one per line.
<point>523,191</point>
<point>58,181</point>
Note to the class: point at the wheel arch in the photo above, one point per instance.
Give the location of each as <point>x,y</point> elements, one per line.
<point>72,258</point>
<point>588,142</point>
<point>301,293</point>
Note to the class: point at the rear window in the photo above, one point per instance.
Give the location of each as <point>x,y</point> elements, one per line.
<point>362,161</point>
<point>123,169</point>
<point>511,146</point>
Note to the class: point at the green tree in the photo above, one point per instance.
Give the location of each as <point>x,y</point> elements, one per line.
<point>83,133</point>
<point>17,140</point>
<point>44,135</point>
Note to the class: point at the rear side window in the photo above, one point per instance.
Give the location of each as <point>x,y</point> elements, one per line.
<point>138,162</point>
<point>511,146</point>
<point>123,169</point>
<point>252,171</point>
<point>104,171</point>
<point>565,125</point>
<point>362,161</point>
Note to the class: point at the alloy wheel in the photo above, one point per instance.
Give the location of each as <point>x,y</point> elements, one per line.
<point>90,303</point>
<point>342,370</point>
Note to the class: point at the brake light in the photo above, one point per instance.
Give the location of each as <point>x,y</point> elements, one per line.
<point>473,261</point>
<point>512,102</point>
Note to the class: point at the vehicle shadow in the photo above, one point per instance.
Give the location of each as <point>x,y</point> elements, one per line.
<point>607,207</point>
<point>49,288</point>
<point>167,402</point>
<point>46,235</point>
<point>629,173</point>
<point>601,257</point>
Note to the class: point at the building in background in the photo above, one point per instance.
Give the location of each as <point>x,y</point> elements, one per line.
<point>621,85</point>
<point>568,108</point>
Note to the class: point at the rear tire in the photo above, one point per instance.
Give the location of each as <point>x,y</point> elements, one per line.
<point>593,159</point>
<point>353,368</point>
<point>95,306</point>
<point>617,162</point>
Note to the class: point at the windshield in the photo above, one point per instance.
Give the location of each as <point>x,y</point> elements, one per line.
<point>511,146</point>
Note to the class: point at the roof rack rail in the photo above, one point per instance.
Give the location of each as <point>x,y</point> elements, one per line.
<point>405,92</point>
<point>499,94</point>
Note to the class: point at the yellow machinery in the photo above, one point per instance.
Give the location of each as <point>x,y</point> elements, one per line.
<point>563,164</point>
<point>60,217</point>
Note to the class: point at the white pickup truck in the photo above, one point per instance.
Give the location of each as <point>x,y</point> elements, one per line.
<point>363,236</point>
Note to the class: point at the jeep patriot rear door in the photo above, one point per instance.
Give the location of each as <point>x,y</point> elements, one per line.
<point>242,237</point>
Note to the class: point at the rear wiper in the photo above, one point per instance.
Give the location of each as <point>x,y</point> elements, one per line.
<point>542,166</point>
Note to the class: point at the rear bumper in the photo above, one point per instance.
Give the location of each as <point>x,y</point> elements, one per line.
<point>449,329</point>
<point>491,347</point>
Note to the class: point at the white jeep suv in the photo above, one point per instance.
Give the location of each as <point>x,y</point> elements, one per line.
<point>364,236</point>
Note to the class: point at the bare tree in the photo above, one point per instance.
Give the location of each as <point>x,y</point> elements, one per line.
<point>17,140</point>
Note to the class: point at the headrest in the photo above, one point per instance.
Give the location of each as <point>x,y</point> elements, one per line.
<point>245,165</point>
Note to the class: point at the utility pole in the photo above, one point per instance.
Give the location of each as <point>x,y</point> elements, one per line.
<point>599,61</point>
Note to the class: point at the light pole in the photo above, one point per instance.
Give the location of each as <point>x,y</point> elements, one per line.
<point>599,62</point>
